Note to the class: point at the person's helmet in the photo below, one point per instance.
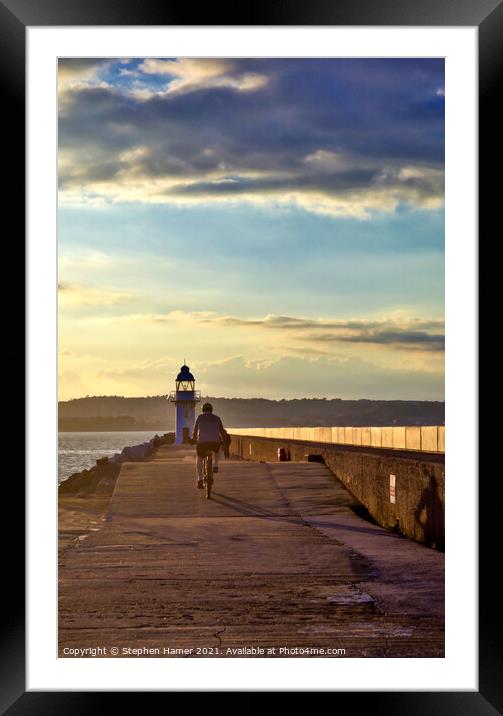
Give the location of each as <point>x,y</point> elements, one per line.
<point>207,408</point>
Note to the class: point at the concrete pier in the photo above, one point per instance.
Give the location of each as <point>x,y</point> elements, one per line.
<point>277,560</point>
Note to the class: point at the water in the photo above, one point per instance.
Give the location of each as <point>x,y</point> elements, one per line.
<point>78,451</point>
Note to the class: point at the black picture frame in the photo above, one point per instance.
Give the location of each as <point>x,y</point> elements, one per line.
<point>487,15</point>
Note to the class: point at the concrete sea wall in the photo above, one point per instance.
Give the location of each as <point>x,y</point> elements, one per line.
<point>101,478</point>
<point>401,489</point>
<point>427,438</point>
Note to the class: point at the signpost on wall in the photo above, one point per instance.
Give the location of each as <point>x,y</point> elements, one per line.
<point>392,489</point>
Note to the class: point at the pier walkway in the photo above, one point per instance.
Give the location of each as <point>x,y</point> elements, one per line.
<point>277,558</point>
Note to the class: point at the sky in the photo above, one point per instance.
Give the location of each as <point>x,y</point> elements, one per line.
<point>278,224</point>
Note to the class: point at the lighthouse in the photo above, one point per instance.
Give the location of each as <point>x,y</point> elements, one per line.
<point>185,398</point>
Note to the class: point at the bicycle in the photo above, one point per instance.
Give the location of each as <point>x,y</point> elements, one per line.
<point>208,473</point>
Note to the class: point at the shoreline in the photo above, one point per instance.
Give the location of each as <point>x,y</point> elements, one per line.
<point>84,497</point>
<point>114,430</point>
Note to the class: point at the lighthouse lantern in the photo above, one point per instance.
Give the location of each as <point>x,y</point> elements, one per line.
<point>185,397</point>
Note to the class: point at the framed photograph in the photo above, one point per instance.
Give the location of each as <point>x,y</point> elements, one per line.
<point>193,195</point>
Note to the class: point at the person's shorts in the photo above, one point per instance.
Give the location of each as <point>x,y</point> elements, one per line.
<point>202,448</point>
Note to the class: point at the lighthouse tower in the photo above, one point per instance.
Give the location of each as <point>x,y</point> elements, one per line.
<point>185,398</point>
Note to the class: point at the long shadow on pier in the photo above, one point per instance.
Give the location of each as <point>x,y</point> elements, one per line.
<point>249,510</point>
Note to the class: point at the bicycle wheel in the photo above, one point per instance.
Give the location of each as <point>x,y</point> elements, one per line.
<point>208,481</point>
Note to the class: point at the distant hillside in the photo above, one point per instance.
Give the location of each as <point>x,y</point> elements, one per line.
<point>155,413</point>
<point>107,424</point>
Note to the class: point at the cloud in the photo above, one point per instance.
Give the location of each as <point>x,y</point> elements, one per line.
<point>324,377</point>
<point>294,334</point>
<point>71,295</point>
<point>197,74</point>
<point>291,377</point>
<point>331,136</point>
<point>410,340</point>
<point>79,68</point>
<point>330,377</point>
<point>406,333</point>
<point>146,369</point>
<point>187,68</point>
<point>75,75</point>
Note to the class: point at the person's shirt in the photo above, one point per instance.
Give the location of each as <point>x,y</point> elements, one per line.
<point>208,428</point>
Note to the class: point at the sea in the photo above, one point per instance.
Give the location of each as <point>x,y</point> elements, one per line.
<point>79,451</point>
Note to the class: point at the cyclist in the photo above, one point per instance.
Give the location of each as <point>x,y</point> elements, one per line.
<point>209,434</point>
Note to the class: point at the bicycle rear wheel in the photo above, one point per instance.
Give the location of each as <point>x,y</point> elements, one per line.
<point>208,477</point>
